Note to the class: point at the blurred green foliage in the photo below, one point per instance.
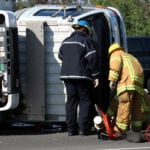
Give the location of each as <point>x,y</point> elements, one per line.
<point>135,13</point>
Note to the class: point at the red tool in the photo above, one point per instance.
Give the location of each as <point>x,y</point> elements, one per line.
<point>109,125</point>
<point>147,133</point>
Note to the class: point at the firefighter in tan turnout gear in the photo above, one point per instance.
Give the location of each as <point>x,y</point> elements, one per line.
<point>145,109</point>
<point>126,76</point>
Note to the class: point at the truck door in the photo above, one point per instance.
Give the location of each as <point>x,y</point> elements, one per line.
<point>9,69</point>
<point>105,31</point>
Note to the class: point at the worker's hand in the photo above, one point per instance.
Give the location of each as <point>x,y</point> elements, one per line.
<point>96,83</point>
<point>112,85</point>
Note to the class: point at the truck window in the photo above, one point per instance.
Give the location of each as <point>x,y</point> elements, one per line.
<point>56,12</point>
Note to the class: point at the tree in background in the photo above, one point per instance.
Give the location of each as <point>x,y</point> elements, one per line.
<point>31,3</point>
<point>135,13</point>
<point>19,5</point>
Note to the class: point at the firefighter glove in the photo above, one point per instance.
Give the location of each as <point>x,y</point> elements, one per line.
<point>96,83</point>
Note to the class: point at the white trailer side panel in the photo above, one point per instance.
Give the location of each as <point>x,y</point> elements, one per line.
<point>55,91</point>
<point>55,94</point>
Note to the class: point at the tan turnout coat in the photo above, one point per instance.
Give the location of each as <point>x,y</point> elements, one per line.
<point>126,71</point>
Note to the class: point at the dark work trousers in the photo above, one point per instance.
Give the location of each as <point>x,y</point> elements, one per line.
<point>79,94</point>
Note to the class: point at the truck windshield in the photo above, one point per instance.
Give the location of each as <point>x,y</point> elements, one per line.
<point>56,12</point>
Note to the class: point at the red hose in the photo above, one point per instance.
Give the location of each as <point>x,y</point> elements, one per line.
<point>108,125</point>
<point>147,133</point>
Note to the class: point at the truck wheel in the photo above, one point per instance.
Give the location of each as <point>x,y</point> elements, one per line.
<point>148,85</point>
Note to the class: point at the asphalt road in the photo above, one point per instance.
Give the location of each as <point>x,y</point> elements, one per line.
<point>29,140</point>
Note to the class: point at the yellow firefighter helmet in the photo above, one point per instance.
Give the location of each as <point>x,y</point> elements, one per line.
<point>114,47</point>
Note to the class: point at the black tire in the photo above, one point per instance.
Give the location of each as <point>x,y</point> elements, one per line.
<point>148,85</point>
<point>3,116</point>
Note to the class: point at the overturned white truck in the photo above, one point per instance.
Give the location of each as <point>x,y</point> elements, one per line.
<point>41,30</point>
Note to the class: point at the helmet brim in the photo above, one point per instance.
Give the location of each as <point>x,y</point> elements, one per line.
<point>77,26</point>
